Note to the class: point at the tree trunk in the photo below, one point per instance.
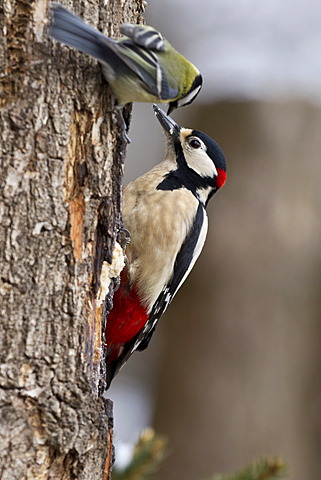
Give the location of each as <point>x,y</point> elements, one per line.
<point>61,170</point>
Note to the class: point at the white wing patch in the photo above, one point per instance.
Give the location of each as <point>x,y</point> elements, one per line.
<point>159,78</point>
<point>198,248</point>
<point>166,296</point>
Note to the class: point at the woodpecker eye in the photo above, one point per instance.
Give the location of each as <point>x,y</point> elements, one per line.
<point>194,143</point>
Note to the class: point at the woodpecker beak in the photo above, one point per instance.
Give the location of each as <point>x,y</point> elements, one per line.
<point>170,127</point>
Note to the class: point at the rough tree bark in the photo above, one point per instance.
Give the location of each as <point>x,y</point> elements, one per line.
<point>61,169</point>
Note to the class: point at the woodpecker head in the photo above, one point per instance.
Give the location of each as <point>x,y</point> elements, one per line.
<point>201,165</point>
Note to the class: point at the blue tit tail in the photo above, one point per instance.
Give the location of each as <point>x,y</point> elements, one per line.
<point>69,29</point>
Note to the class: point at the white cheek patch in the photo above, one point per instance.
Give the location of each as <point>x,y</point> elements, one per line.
<point>201,163</point>
<point>189,97</point>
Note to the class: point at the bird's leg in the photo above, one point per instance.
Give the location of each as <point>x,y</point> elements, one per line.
<point>124,238</point>
<point>121,123</point>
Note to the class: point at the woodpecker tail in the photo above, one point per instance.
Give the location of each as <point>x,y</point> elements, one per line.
<point>114,366</point>
<point>111,370</point>
<point>69,29</point>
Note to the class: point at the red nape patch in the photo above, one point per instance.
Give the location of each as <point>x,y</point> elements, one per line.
<point>126,318</point>
<point>221,177</point>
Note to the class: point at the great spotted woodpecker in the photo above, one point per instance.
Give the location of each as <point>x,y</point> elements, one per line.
<point>164,211</point>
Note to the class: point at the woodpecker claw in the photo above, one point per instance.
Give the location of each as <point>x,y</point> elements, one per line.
<point>124,238</point>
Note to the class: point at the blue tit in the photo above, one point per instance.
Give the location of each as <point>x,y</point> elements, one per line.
<point>140,67</point>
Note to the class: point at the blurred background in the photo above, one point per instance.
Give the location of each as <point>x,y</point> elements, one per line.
<point>233,372</point>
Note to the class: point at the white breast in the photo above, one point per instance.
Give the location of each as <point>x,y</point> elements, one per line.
<point>158,223</point>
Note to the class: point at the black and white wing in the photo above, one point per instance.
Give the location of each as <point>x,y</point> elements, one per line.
<point>186,257</point>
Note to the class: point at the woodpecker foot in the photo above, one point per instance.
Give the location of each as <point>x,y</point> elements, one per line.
<point>124,238</point>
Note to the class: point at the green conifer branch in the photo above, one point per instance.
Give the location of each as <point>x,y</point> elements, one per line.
<point>150,451</point>
<point>265,469</point>
<point>148,454</point>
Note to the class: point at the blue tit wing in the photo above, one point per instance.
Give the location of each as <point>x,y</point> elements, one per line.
<point>145,64</point>
<point>144,41</point>
<point>144,36</point>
